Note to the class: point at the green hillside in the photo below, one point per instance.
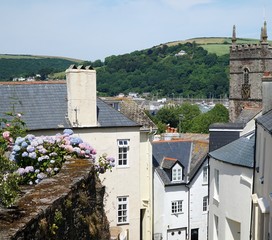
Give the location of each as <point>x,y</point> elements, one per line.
<point>162,72</point>
<point>12,66</point>
<point>201,72</point>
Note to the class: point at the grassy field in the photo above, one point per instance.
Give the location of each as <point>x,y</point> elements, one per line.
<point>217,45</point>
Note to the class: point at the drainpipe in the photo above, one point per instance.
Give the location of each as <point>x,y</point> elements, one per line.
<point>209,183</point>
<point>189,208</point>
<point>253,180</point>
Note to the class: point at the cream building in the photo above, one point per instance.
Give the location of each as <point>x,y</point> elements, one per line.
<point>48,107</point>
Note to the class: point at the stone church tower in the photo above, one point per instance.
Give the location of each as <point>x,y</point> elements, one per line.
<point>248,62</point>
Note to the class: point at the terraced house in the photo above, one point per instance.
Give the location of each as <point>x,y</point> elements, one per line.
<point>48,107</point>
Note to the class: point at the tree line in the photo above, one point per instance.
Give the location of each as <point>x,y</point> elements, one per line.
<point>188,118</point>
<point>160,71</point>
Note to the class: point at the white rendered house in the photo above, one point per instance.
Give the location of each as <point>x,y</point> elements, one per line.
<point>180,190</point>
<point>231,183</point>
<point>262,192</point>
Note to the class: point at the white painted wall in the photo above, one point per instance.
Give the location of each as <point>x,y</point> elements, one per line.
<point>263,189</point>
<point>164,220</point>
<point>198,190</point>
<point>146,184</point>
<point>122,181</point>
<point>81,94</point>
<point>234,201</point>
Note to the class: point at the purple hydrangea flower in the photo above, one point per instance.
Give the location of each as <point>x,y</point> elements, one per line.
<point>29,169</point>
<point>19,140</point>
<point>41,176</point>
<point>75,140</point>
<point>53,154</point>
<point>32,155</point>
<point>30,149</point>
<point>68,131</point>
<point>20,171</point>
<point>25,154</point>
<point>16,148</point>
<point>24,144</point>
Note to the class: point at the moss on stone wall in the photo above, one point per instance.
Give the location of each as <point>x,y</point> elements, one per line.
<point>66,206</point>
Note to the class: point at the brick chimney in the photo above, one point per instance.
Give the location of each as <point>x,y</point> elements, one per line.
<point>81,93</point>
<point>267,91</point>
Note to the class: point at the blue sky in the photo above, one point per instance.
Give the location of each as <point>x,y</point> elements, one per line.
<point>95,29</point>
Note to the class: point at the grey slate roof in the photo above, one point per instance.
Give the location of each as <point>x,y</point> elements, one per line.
<point>266,121</point>
<point>180,150</point>
<point>44,106</point>
<point>247,114</point>
<point>168,163</point>
<point>239,152</point>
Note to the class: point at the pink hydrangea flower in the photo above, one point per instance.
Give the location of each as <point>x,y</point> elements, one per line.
<point>6,135</point>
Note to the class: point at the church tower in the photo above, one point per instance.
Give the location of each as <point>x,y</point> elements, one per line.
<point>248,62</point>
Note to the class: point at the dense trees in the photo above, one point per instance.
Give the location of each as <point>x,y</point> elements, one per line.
<point>24,67</point>
<point>188,118</point>
<point>195,74</point>
<point>159,70</point>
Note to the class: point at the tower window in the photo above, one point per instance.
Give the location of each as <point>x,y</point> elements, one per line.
<point>246,76</point>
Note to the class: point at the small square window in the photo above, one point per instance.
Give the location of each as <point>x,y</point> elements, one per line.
<point>177,207</point>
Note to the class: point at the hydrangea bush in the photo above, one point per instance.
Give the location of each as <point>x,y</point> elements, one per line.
<point>43,156</point>
<point>31,158</point>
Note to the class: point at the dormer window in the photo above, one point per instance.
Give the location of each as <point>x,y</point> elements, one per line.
<point>177,173</point>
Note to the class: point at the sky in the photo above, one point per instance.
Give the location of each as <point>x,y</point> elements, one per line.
<point>95,29</point>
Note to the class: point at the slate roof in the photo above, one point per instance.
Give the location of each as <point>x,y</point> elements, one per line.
<point>190,154</point>
<point>247,114</point>
<point>266,121</point>
<point>168,163</point>
<point>131,109</point>
<point>44,105</point>
<point>239,152</point>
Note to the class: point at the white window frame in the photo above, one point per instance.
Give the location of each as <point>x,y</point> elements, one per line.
<point>216,184</point>
<point>205,204</point>
<point>205,175</point>
<point>176,207</point>
<point>123,149</point>
<point>122,210</point>
<point>216,226</point>
<point>177,174</point>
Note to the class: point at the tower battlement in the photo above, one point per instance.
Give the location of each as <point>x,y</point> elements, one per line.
<point>251,50</point>
<point>248,62</point>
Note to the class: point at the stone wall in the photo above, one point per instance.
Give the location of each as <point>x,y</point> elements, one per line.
<point>66,206</point>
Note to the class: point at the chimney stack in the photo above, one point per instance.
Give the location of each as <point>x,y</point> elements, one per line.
<point>267,91</point>
<point>81,94</point>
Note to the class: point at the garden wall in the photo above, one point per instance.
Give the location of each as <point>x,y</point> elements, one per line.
<point>66,206</point>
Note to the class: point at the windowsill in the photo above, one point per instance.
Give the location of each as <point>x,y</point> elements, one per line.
<point>177,213</point>
<point>120,224</point>
<point>205,183</point>
<point>120,166</point>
